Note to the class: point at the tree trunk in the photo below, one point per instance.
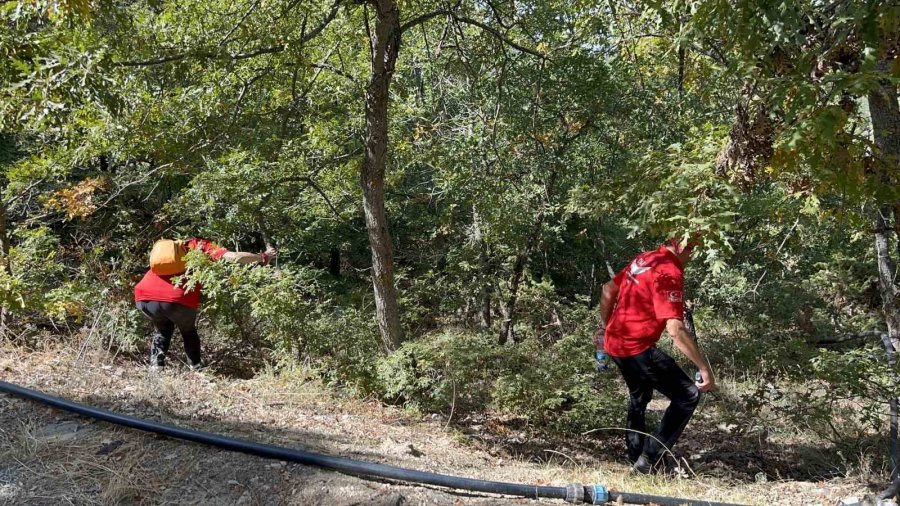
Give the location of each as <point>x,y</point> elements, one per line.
<point>4,262</point>
<point>689,321</point>
<point>596,289</point>
<point>507,328</point>
<point>594,294</point>
<point>385,44</point>
<point>889,305</point>
<point>484,268</point>
<point>334,262</point>
<point>885,265</point>
<point>515,279</point>
<point>885,113</point>
<point>486,288</point>
<point>4,242</point>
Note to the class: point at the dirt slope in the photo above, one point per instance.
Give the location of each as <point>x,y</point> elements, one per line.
<point>52,457</point>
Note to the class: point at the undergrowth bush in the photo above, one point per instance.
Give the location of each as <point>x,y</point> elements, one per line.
<point>285,316</point>
<point>558,387</point>
<point>550,386</point>
<point>450,369</point>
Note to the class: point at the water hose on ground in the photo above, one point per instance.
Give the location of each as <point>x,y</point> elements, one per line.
<point>573,493</point>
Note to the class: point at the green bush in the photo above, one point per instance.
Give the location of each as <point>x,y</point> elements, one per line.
<point>552,386</point>
<point>450,369</point>
<point>558,387</point>
<point>344,345</point>
<point>284,316</point>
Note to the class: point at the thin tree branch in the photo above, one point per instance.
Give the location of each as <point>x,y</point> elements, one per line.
<point>501,37</point>
<point>423,18</point>
<point>334,70</point>
<point>246,86</point>
<point>321,192</point>
<point>149,63</point>
<point>325,22</point>
<point>319,68</point>
<point>239,23</point>
<point>469,21</point>
<point>235,56</point>
<point>497,15</point>
<point>12,200</point>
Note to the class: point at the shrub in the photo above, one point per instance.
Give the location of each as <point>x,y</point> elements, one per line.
<point>552,387</point>
<point>285,316</point>
<point>558,387</point>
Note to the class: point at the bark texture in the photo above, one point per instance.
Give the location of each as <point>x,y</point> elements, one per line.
<point>484,269</point>
<point>885,113</point>
<point>508,308</point>
<point>385,44</point>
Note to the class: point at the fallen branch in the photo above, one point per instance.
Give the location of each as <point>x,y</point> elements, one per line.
<point>850,337</point>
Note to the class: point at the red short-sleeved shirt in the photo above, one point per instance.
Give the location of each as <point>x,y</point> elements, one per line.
<point>651,291</point>
<point>160,288</point>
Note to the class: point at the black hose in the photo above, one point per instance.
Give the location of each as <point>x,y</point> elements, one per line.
<point>588,494</point>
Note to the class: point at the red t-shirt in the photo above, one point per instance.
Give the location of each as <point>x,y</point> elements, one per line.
<point>160,288</point>
<point>651,291</point>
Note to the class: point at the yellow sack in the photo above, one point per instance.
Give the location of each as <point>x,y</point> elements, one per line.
<point>167,257</point>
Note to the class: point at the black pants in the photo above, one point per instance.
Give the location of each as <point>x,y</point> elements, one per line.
<point>166,316</point>
<point>643,373</point>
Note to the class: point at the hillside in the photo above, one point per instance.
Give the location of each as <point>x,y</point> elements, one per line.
<point>53,457</point>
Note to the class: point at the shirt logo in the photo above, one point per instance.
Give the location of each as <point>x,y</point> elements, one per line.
<point>636,269</point>
<point>674,296</point>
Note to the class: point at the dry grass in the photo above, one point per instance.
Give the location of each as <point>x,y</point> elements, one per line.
<point>289,410</point>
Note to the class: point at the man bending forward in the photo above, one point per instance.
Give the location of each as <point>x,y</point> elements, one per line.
<point>647,296</point>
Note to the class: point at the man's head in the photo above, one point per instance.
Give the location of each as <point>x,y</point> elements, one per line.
<point>683,249</point>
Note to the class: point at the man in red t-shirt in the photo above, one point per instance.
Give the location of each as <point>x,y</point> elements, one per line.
<point>169,305</point>
<point>646,297</point>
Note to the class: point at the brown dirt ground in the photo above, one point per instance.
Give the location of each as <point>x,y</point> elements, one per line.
<point>52,457</point>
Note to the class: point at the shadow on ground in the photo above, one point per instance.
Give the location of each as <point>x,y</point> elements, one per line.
<point>706,447</point>
<point>103,464</point>
<point>48,456</point>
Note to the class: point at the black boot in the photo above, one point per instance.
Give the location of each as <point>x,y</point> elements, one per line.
<point>157,353</point>
<point>644,464</point>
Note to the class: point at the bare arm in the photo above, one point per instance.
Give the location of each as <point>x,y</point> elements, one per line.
<point>686,344</point>
<point>607,303</point>
<point>242,257</point>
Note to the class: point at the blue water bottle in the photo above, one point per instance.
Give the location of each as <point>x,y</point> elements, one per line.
<point>601,359</point>
<point>600,354</point>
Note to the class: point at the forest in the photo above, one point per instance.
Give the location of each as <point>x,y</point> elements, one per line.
<point>450,183</point>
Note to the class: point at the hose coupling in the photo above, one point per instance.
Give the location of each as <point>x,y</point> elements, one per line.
<point>597,494</point>
<point>575,493</point>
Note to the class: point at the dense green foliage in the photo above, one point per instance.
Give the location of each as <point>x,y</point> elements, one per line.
<point>533,147</point>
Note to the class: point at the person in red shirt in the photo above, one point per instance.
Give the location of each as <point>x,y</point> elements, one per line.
<point>646,297</point>
<point>169,305</point>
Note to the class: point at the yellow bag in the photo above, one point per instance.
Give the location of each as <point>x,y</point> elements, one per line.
<point>167,257</point>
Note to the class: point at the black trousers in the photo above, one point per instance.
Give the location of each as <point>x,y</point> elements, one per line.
<point>165,317</point>
<point>644,373</point>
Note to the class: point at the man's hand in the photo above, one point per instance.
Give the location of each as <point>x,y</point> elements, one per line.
<point>707,381</point>
<point>598,337</point>
<point>268,255</point>
<point>686,344</point>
